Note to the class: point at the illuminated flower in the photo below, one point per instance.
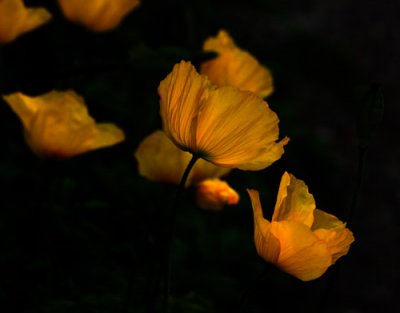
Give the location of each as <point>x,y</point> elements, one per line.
<point>223,125</point>
<point>300,240</point>
<point>160,160</point>
<point>97,15</point>
<point>57,124</point>
<point>235,67</point>
<point>214,194</point>
<point>16,19</point>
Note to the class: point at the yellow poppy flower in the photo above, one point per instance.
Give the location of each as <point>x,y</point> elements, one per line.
<point>160,160</point>
<point>97,15</point>
<point>235,67</point>
<point>223,125</point>
<point>57,124</point>
<point>16,19</point>
<point>300,240</point>
<point>214,194</point>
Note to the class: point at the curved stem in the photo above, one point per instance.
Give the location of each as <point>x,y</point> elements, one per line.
<point>176,203</point>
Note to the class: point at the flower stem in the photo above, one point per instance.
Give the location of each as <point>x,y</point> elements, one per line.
<point>175,207</point>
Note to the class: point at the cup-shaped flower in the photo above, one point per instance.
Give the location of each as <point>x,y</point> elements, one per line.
<point>58,125</point>
<point>300,240</point>
<point>97,15</point>
<point>235,67</point>
<point>213,194</point>
<point>16,19</point>
<point>223,125</point>
<point>160,160</point>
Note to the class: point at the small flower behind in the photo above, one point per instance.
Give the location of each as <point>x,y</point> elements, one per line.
<point>58,125</point>
<point>160,160</point>
<point>214,194</point>
<point>235,67</point>
<point>223,125</point>
<point>97,15</point>
<point>300,240</point>
<point>16,19</point>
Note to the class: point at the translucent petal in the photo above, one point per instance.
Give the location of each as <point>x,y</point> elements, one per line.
<point>302,254</point>
<point>294,202</point>
<point>267,245</point>
<point>235,67</point>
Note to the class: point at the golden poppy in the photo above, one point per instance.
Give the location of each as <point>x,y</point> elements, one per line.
<point>235,67</point>
<point>16,19</point>
<point>214,194</point>
<point>57,124</point>
<point>97,15</point>
<point>223,125</point>
<point>160,160</point>
<point>300,240</point>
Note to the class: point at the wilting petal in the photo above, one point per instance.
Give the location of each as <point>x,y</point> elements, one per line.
<point>235,67</point>
<point>16,19</point>
<point>57,124</point>
<point>303,254</point>
<point>294,202</point>
<point>214,194</point>
<point>267,245</point>
<point>97,15</point>
<point>160,160</point>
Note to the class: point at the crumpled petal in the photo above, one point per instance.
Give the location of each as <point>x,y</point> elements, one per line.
<point>214,194</point>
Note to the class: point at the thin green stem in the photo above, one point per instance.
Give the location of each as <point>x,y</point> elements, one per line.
<point>175,207</point>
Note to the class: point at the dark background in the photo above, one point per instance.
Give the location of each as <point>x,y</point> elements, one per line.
<point>85,234</point>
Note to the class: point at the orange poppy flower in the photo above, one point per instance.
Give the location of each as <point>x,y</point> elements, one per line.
<point>214,194</point>
<point>223,125</point>
<point>97,15</point>
<point>16,19</point>
<point>57,124</point>
<point>235,67</point>
<point>300,240</point>
<point>160,160</point>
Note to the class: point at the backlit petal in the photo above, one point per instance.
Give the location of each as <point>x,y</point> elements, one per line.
<point>181,93</point>
<point>235,67</point>
<point>334,232</point>
<point>238,129</point>
<point>302,254</point>
<point>160,160</point>
<point>57,124</point>
<point>294,202</point>
<point>267,245</point>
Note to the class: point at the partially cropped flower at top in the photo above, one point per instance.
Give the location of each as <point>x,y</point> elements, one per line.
<point>160,160</point>
<point>235,67</point>
<point>16,19</point>
<point>97,15</point>
<point>58,125</point>
<point>300,240</point>
<point>223,125</point>
<point>213,194</point>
